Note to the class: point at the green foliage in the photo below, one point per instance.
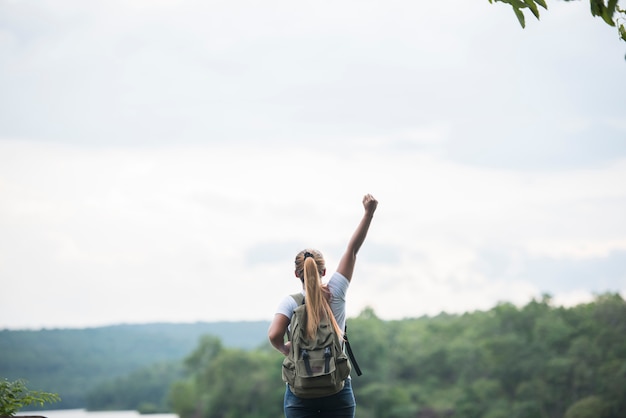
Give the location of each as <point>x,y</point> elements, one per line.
<point>74,362</point>
<point>589,407</point>
<point>519,5</point>
<point>609,11</point>
<point>229,383</point>
<point>144,390</point>
<point>184,397</point>
<point>536,361</point>
<point>15,395</point>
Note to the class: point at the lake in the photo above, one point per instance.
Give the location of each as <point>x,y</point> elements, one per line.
<point>81,413</point>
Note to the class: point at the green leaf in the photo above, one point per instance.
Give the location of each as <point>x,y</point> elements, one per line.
<point>517,4</point>
<point>608,11</point>
<point>608,19</point>
<point>15,395</point>
<point>542,3</point>
<point>611,6</point>
<point>622,32</point>
<point>597,6</point>
<point>520,17</point>
<point>533,7</point>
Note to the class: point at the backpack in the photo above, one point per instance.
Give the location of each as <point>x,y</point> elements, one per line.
<point>314,368</point>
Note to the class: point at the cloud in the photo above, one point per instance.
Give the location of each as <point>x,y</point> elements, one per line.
<point>175,233</point>
<point>272,252</point>
<point>110,73</point>
<point>567,275</point>
<point>571,144</point>
<point>170,158</point>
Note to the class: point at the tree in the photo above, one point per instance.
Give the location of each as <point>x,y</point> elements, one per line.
<point>589,407</point>
<point>15,395</point>
<point>143,390</point>
<point>229,383</point>
<point>610,12</point>
<point>244,384</point>
<point>535,361</point>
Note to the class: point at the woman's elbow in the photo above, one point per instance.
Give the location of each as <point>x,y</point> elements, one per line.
<point>275,337</point>
<point>277,330</point>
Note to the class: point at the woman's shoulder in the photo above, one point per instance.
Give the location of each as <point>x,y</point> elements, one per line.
<point>338,285</point>
<point>339,279</point>
<point>288,304</point>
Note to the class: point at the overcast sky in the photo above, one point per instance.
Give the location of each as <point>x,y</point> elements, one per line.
<point>166,160</point>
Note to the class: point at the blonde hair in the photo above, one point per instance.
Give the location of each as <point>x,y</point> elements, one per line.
<point>310,267</point>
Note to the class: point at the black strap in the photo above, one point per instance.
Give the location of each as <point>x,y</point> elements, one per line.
<point>327,356</point>
<point>357,369</point>
<point>307,364</point>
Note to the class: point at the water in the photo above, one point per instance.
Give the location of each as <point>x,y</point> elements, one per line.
<point>81,413</point>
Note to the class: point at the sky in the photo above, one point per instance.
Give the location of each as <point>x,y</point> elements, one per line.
<point>164,161</point>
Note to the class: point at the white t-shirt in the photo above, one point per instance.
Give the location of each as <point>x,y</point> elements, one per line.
<point>338,286</point>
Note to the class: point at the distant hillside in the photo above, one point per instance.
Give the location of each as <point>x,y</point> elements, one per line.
<point>70,362</point>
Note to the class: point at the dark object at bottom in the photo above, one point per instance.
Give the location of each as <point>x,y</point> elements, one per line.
<point>22,416</point>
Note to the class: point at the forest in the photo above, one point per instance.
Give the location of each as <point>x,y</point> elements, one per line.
<point>80,364</point>
<point>534,361</point>
<point>537,361</point>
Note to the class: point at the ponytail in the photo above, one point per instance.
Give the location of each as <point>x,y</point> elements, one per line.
<point>317,306</point>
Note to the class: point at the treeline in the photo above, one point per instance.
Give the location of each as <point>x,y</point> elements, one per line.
<point>85,366</point>
<point>537,361</point>
<point>145,390</point>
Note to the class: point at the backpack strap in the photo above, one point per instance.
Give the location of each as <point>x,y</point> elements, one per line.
<point>357,369</point>
<point>299,298</point>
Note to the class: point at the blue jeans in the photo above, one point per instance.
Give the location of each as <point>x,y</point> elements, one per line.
<point>339,405</point>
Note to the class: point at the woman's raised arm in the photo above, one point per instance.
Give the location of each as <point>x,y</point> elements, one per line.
<point>346,264</point>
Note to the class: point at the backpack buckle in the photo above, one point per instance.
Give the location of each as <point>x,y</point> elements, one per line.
<point>307,364</point>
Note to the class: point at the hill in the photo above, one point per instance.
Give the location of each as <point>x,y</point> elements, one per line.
<point>71,362</point>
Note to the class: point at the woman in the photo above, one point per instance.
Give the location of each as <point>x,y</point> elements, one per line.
<point>322,300</point>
